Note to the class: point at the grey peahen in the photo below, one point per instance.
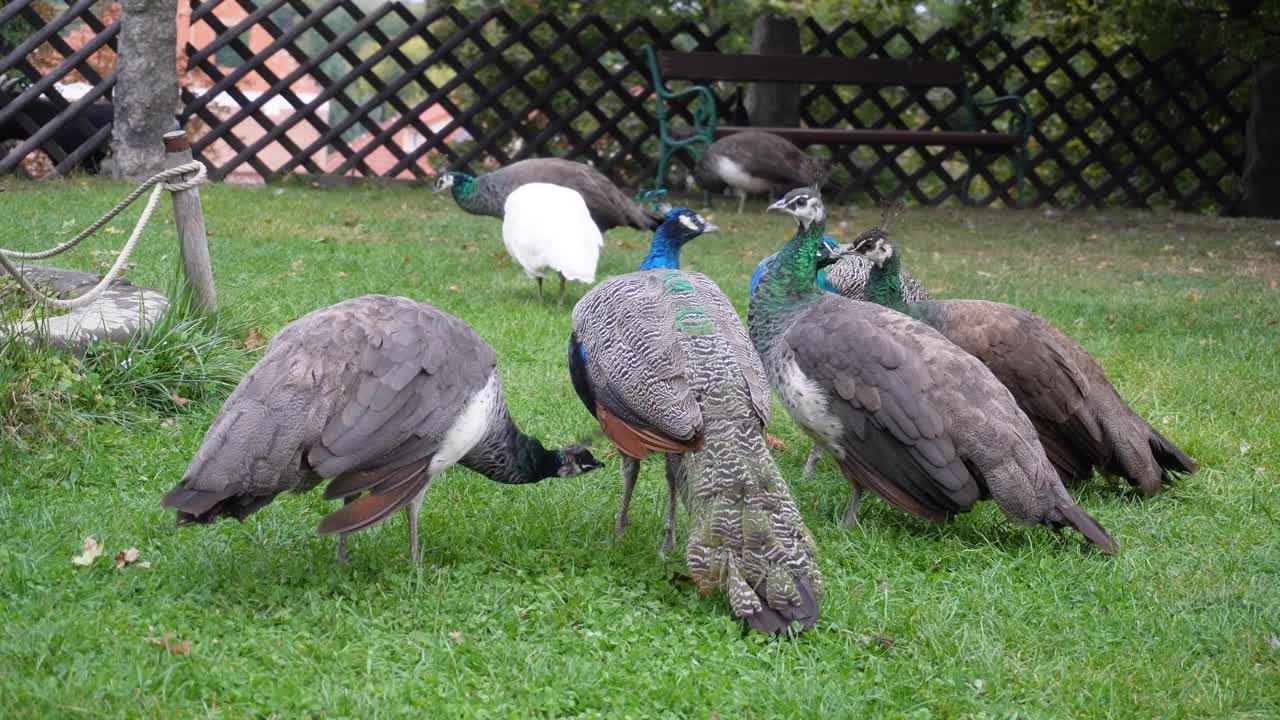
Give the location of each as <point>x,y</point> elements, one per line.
<point>844,275</point>
<point>378,395</point>
<point>1082,421</point>
<point>661,360</point>
<point>906,413</point>
<point>487,194</point>
<point>756,162</point>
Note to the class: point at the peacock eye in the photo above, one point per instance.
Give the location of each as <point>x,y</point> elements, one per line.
<point>688,222</point>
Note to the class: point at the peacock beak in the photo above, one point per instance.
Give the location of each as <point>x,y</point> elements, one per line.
<point>710,227</point>
<point>778,206</point>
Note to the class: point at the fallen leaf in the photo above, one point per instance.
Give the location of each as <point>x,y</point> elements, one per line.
<point>773,443</point>
<point>1271,284</point>
<point>455,288</point>
<point>176,648</point>
<point>455,636</point>
<point>167,423</point>
<point>254,340</point>
<point>296,264</point>
<point>341,274</point>
<point>1274,641</point>
<point>887,642</point>
<point>126,557</point>
<point>179,401</point>
<point>145,564</point>
<point>1094,236</point>
<point>470,247</point>
<point>500,255</point>
<point>678,577</point>
<point>625,244</point>
<point>91,550</point>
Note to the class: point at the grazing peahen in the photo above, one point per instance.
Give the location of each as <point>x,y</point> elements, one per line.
<point>661,360</point>
<point>487,194</point>
<point>906,414</point>
<point>547,227</point>
<point>1082,421</point>
<point>378,395</point>
<point>756,162</point>
<point>844,275</point>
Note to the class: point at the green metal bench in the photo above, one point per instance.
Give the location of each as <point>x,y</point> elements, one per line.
<point>815,70</point>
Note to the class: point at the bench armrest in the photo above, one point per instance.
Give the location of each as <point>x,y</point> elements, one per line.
<point>1022,122</point>
<point>703,108</point>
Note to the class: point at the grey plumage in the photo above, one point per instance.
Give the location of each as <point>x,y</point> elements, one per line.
<point>756,162</point>
<point>378,395</point>
<point>907,414</point>
<point>663,362</point>
<point>1082,421</point>
<point>487,194</point>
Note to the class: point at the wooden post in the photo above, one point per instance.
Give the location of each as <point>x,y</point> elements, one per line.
<point>188,219</point>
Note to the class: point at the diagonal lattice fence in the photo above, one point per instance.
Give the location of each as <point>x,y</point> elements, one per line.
<point>333,87</point>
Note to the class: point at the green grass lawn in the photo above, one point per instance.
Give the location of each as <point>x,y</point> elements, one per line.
<point>525,605</point>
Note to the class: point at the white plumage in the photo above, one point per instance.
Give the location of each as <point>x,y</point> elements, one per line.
<point>548,228</point>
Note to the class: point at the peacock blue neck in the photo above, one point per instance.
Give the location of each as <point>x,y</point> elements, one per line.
<point>884,284</point>
<point>664,251</point>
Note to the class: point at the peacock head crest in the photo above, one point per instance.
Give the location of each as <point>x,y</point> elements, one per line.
<point>804,204</point>
<point>681,225</point>
<point>577,459</point>
<point>875,247</point>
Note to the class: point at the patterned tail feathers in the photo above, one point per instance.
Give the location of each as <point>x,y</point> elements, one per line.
<point>747,538</point>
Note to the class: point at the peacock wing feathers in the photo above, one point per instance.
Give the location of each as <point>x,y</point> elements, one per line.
<point>1033,365</point>
<point>878,386</point>
<point>1129,446</point>
<point>636,368</point>
<point>609,206</point>
<point>658,351</point>
<point>361,393</point>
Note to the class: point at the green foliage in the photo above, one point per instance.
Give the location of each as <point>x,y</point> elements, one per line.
<point>525,606</point>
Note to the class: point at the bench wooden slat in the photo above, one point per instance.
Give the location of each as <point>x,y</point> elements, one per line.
<point>853,136</point>
<point>809,69</point>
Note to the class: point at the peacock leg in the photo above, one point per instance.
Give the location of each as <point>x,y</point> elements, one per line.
<point>630,471</point>
<point>342,537</point>
<point>673,487</point>
<point>415,507</point>
<point>811,463</point>
<point>561,289</point>
<point>850,519</point>
<point>742,200</point>
<point>539,279</point>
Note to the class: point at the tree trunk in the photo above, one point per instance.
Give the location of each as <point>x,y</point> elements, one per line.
<point>774,104</point>
<point>146,92</point>
<point>1260,182</point>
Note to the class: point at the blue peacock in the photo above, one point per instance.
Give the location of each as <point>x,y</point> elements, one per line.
<point>661,360</point>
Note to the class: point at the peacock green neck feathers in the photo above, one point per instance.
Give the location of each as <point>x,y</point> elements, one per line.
<point>790,281</point>
<point>884,284</point>
<point>464,188</point>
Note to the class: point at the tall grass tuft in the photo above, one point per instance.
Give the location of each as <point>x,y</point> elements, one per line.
<point>183,356</point>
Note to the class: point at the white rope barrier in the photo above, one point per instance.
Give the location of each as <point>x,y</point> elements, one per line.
<point>165,180</point>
